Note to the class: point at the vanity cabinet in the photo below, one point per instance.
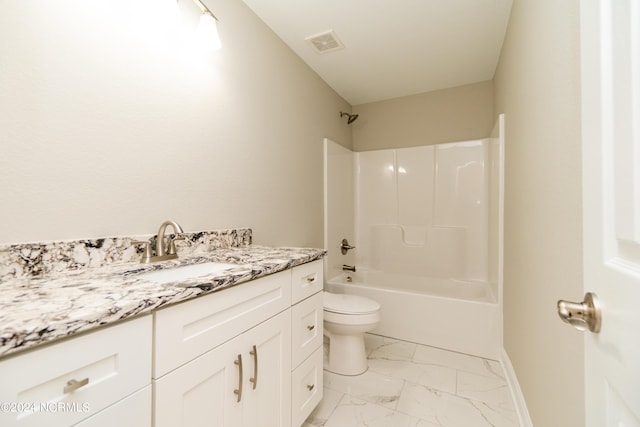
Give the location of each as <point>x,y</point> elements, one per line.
<point>243,382</point>
<point>89,379</point>
<point>237,348</point>
<point>250,355</point>
<point>231,358</point>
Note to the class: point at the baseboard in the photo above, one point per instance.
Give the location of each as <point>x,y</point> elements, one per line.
<point>516,392</point>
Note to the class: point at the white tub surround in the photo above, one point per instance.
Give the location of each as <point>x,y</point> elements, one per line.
<point>469,290</point>
<point>448,314</point>
<point>426,223</point>
<point>423,211</point>
<point>49,304</point>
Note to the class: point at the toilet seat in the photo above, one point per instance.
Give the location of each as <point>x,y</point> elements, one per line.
<point>352,319</point>
<point>349,304</point>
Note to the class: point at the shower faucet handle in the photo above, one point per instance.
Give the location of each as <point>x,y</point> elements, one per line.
<point>345,246</point>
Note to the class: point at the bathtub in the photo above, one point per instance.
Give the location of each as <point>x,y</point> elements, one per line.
<point>456,315</point>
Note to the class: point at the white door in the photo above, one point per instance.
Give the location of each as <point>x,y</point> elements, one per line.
<point>610,38</point>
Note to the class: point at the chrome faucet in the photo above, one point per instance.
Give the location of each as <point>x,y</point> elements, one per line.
<point>160,248</point>
<point>346,267</point>
<point>162,253</point>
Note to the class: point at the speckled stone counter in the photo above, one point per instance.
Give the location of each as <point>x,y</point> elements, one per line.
<point>39,308</point>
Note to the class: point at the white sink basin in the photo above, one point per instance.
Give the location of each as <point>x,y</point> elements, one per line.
<point>186,272</point>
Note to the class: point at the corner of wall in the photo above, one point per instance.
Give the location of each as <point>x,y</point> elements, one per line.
<point>522,411</point>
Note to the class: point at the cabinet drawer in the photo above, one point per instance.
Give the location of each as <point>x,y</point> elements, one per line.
<point>115,362</point>
<point>132,411</point>
<point>306,322</point>
<point>306,386</point>
<point>187,330</point>
<point>306,280</point>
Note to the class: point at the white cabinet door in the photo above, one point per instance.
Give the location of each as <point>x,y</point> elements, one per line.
<point>201,393</point>
<point>267,391</point>
<point>217,388</point>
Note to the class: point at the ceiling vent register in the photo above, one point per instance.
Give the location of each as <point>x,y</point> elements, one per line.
<point>325,42</point>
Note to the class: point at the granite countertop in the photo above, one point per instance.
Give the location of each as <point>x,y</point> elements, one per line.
<point>38,310</point>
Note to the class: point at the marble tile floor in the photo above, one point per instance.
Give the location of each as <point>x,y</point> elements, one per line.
<point>412,385</point>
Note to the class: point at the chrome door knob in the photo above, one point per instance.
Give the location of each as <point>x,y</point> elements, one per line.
<point>582,315</point>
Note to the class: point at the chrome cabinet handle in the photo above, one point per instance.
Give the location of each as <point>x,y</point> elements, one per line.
<point>254,380</point>
<point>238,391</point>
<point>73,385</point>
<point>311,386</point>
<point>582,315</point>
<point>311,279</point>
<point>311,327</point>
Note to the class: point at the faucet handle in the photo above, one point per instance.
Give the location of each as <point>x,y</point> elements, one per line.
<point>147,254</point>
<point>172,244</point>
<point>345,246</point>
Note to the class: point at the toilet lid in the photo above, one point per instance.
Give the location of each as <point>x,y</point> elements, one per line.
<point>349,304</point>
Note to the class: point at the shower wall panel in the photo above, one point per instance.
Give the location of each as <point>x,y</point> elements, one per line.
<point>375,186</point>
<point>424,210</point>
<point>461,200</point>
<point>415,172</point>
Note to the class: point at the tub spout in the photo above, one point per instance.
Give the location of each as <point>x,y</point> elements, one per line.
<point>349,268</point>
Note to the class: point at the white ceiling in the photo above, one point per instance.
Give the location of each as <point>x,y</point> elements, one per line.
<point>395,47</point>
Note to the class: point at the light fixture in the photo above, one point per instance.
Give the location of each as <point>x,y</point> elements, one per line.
<point>208,29</point>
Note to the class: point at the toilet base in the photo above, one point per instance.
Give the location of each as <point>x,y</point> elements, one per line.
<point>347,355</point>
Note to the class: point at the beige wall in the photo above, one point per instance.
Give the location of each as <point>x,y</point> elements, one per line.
<point>105,130</point>
<point>108,127</point>
<point>456,114</point>
<point>537,85</point>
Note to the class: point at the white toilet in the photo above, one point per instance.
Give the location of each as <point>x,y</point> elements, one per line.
<point>346,319</point>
